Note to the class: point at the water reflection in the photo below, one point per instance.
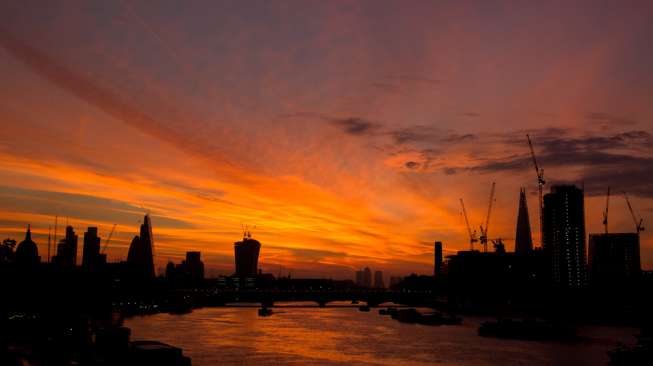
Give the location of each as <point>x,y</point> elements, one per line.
<point>343,335</point>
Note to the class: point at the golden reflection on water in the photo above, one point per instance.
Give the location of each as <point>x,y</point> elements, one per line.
<point>337,336</point>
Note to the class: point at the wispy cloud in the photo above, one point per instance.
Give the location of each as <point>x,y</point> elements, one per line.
<point>355,126</point>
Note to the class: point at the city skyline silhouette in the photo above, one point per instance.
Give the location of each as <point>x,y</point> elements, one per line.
<point>326,182</point>
<point>344,179</point>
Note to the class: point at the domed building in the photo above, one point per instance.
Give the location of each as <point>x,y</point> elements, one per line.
<point>27,253</point>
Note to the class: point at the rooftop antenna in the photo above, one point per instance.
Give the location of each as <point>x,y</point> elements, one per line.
<point>249,232</point>
<point>55,229</point>
<point>49,239</point>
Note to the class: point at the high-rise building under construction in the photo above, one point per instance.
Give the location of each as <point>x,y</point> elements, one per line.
<point>246,254</point>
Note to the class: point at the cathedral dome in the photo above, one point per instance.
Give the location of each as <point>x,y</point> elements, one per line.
<point>27,251</point>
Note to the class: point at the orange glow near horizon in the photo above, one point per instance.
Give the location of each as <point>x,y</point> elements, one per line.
<point>344,138</point>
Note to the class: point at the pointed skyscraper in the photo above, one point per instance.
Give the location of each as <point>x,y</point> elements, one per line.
<point>523,238</point>
<point>141,251</point>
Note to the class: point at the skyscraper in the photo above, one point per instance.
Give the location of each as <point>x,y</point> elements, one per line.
<point>564,235</point>
<point>523,238</point>
<point>367,277</point>
<point>91,249</point>
<point>141,251</point>
<point>67,249</point>
<point>246,254</point>
<point>378,280</point>
<point>437,266</point>
<point>614,258</point>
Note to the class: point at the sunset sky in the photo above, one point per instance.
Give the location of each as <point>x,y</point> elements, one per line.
<point>344,131</point>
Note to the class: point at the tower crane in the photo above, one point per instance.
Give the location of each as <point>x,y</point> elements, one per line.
<point>472,234</point>
<point>638,224</point>
<point>605,213</point>
<point>540,184</point>
<point>484,237</point>
<point>106,242</point>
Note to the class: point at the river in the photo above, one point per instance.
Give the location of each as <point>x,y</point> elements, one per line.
<point>345,336</point>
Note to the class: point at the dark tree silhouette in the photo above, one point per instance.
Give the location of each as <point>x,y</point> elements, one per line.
<point>7,250</point>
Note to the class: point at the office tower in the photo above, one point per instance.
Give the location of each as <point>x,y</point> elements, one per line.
<point>359,278</point>
<point>614,258</point>
<point>91,249</point>
<point>564,235</point>
<point>246,254</point>
<point>367,277</point>
<point>523,238</point>
<point>194,266</point>
<point>437,266</point>
<point>378,280</point>
<point>141,251</point>
<point>67,249</point>
<point>27,252</point>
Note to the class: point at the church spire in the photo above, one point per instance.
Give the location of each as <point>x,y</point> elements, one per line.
<point>28,234</point>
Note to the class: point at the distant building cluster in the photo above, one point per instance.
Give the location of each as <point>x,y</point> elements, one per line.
<point>190,269</point>
<point>138,266</point>
<point>364,279</point>
<point>563,261</point>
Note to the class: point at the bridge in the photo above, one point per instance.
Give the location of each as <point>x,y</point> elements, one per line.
<point>268,298</point>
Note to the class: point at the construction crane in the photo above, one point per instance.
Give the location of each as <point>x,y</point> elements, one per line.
<point>483,237</point>
<point>498,244</point>
<point>106,242</point>
<point>638,224</point>
<point>540,184</point>
<point>605,213</point>
<point>472,234</point>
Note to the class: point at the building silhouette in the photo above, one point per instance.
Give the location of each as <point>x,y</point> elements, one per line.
<point>523,237</point>
<point>27,252</point>
<point>395,280</point>
<point>140,257</point>
<point>194,265</point>
<point>246,254</point>
<point>367,277</point>
<point>563,224</point>
<point>378,279</point>
<point>359,278</point>
<point>67,249</point>
<point>91,257</point>
<point>190,269</point>
<point>614,258</point>
<point>437,266</point>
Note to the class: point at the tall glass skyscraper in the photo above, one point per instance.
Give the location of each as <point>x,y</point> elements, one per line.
<point>564,235</point>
